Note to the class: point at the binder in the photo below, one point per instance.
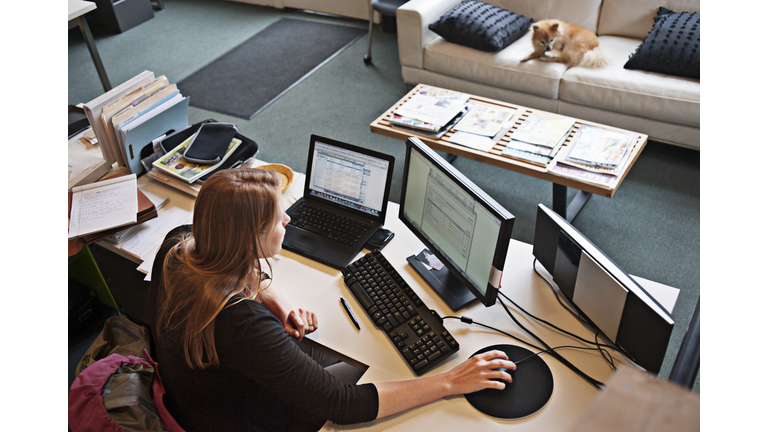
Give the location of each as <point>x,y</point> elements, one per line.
<point>168,117</point>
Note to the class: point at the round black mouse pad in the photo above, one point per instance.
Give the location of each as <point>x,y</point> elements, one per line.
<point>529,391</point>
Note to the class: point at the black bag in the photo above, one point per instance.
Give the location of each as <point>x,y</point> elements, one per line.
<point>247,148</point>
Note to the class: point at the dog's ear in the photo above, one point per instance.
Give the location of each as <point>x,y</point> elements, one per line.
<point>554,26</point>
<point>535,27</point>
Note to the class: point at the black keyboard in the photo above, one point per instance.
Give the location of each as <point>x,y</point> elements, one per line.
<point>416,331</point>
<point>333,226</point>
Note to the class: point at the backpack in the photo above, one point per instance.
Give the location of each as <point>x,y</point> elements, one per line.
<point>118,394</point>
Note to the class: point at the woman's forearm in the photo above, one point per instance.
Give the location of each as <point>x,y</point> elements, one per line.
<point>476,373</point>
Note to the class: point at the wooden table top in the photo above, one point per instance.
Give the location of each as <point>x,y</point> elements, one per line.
<point>383,126</point>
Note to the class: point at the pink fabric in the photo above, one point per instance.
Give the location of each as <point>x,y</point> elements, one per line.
<point>86,407</point>
<point>158,390</point>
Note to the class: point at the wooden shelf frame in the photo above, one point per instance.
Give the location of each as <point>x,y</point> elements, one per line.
<point>382,126</point>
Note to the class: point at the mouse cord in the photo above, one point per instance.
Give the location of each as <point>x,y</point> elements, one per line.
<point>469,320</point>
<point>595,383</point>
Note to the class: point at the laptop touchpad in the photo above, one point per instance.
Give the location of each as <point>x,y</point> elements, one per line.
<point>302,241</point>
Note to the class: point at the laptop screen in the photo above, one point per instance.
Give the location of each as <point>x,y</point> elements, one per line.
<point>348,178</point>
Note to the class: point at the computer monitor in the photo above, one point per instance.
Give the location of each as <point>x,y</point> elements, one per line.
<point>601,290</point>
<point>460,224</point>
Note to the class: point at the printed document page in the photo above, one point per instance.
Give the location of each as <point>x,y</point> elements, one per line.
<point>103,205</point>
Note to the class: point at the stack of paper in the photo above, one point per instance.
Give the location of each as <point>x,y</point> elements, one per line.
<point>130,116</point>
<point>538,138</point>
<point>482,127</point>
<point>597,155</point>
<point>430,110</point>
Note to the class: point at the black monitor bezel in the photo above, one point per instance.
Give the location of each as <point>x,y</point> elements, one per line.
<point>390,172</point>
<point>505,230</point>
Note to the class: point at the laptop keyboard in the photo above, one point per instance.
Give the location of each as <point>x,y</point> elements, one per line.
<point>416,332</point>
<point>333,226</point>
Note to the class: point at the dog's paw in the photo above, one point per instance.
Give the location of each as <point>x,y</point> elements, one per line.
<point>550,54</point>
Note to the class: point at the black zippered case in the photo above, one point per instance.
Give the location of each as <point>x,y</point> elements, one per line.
<point>248,148</point>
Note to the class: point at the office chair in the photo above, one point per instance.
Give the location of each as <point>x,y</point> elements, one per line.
<point>386,8</point>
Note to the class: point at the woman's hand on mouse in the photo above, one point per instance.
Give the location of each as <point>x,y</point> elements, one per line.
<point>300,322</point>
<point>477,373</point>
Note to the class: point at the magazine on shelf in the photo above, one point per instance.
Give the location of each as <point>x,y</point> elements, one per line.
<point>537,154</point>
<point>432,134</point>
<point>174,164</point>
<point>543,130</point>
<point>485,120</point>
<point>429,109</point>
<point>587,176</point>
<point>600,147</point>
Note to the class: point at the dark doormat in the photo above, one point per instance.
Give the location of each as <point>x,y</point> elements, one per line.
<point>256,73</point>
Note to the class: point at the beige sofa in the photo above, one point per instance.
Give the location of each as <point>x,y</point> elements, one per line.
<point>664,107</point>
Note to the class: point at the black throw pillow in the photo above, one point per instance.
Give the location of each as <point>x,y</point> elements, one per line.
<point>479,25</point>
<point>672,46</point>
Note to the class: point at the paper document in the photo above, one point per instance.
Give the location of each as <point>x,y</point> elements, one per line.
<point>103,205</point>
<point>152,232</point>
<point>485,120</point>
<point>431,110</point>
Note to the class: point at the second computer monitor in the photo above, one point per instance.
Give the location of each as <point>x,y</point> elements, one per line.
<point>460,224</point>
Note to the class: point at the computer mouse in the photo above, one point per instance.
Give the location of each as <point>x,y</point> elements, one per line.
<point>511,373</point>
<point>530,389</point>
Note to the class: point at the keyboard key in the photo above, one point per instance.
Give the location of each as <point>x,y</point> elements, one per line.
<point>415,331</point>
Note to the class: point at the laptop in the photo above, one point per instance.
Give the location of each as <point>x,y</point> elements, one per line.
<point>344,202</point>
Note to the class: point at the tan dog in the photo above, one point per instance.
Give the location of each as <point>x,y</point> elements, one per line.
<point>558,41</point>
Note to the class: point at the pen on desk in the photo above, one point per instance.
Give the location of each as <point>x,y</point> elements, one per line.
<point>349,312</point>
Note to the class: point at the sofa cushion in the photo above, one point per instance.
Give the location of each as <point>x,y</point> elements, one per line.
<point>645,94</point>
<point>634,18</point>
<point>580,12</point>
<point>482,26</point>
<point>672,47</point>
<point>502,69</point>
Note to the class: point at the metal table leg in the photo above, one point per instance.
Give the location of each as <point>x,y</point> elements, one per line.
<point>560,202</point>
<point>86,31</point>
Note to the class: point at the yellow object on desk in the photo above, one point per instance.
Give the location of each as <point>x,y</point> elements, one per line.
<point>286,174</point>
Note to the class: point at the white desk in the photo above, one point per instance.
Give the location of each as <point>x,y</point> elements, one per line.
<point>78,8</point>
<point>309,284</point>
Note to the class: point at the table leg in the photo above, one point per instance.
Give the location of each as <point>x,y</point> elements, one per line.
<point>560,202</point>
<point>86,31</point>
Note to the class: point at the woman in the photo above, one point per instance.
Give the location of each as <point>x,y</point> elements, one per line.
<point>226,338</point>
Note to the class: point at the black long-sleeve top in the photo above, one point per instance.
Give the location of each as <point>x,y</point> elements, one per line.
<point>264,381</point>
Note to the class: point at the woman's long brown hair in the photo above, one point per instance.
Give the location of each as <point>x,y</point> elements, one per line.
<point>235,212</point>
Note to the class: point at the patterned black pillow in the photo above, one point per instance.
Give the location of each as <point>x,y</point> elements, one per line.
<point>479,25</point>
<point>672,46</point>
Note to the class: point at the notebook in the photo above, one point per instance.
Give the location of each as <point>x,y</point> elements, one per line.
<point>344,202</point>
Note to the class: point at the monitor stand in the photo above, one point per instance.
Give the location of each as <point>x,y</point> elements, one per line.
<point>447,286</point>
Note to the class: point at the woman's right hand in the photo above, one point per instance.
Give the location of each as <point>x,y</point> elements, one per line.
<point>477,373</point>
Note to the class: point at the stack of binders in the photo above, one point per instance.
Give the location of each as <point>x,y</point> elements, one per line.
<point>128,118</point>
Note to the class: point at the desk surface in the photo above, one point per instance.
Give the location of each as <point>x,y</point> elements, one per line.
<point>79,7</point>
<point>307,283</point>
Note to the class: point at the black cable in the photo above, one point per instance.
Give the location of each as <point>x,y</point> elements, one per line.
<point>469,320</point>
<point>584,320</point>
<point>547,322</point>
<point>597,384</point>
